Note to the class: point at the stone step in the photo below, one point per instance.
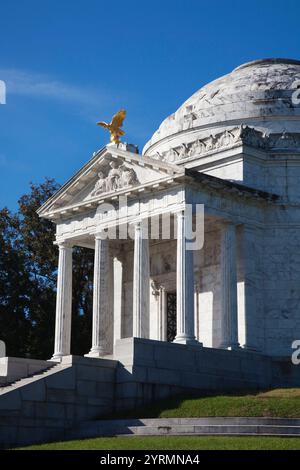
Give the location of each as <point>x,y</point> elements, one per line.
<point>215,430</point>
<point>200,421</point>
<point>189,426</point>
<point>7,387</point>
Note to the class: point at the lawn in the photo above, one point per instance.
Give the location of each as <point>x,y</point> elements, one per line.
<point>273,403</point>
<point>280,403</point>
<point>175,443</point>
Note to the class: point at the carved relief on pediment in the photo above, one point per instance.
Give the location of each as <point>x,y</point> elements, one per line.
<point>117,177</point>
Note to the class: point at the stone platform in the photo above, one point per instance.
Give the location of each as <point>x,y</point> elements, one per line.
<point>150,370</point>
<point>49,404</point>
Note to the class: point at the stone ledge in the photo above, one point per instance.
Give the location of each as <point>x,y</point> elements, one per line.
<point>89,361</point>
<point>15,368</point>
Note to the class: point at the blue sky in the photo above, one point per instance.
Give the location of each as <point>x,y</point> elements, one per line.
<point>67,64</point>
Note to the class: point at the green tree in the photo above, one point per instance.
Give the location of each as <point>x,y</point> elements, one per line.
<point>28,272</point>
<point>35,242</point>
<point>14,288</point>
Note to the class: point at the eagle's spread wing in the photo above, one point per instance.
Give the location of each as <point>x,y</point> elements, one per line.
<point>118,118</point>
<point>103,124</point>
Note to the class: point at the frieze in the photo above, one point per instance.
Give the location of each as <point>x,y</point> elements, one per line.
<point>237,136</point>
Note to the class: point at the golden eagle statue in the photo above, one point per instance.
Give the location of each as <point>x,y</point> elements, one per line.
<point>114,126</point>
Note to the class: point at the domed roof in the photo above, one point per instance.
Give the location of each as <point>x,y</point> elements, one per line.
<point>257,93</point>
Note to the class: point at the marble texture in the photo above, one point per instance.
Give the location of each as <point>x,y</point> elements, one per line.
<point>141,279</point>
<point>229,318</point>
<point>102,298</point>
<point>63,303</point>
<point>184,285</point>
<point>259,92</point>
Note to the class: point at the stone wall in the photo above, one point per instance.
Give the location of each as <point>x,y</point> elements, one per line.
<point>15,368</point>
<point>152,370</point>
<point>45,407</point>
<point>281,288</point>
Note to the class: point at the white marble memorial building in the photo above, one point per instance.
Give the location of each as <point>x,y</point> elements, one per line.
<point>168,319</point>
<point>234,147</point>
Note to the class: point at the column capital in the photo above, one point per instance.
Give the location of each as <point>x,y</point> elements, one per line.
<point>180,212</point>
<point>157,288</point>
<point>138,223</point>
<point>64,244</point>
<point>140,228</point>
<point>100,235</point>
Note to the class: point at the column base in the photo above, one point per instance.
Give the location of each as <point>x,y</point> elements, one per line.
<point>187,340</point>
<point>96,353</point>
<point>57,357</point>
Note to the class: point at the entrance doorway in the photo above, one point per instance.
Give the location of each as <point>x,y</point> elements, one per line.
<point>171,316</point>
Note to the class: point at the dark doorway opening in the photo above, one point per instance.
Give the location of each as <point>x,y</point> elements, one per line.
<point>171,316</point>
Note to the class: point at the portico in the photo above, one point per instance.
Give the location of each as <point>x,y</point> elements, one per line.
<point>138,273</point>
<point>147,282</point>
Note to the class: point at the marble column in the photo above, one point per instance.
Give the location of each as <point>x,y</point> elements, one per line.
<point>63,303</point>
<point>162,315</point>
<point>101,296</point>
<point>185,285</point>
<point>141,282</point>
<point>197,309</point>
<point>118,298</point>
<point>229,319</point>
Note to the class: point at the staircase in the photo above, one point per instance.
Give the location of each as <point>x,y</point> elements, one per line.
<point>46,404</point>
<point>9,386</point>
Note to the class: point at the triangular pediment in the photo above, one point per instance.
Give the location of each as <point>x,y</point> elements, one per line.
<point>111,171</point>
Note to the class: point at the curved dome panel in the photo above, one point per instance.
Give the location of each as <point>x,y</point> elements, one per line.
<point>258,94</point>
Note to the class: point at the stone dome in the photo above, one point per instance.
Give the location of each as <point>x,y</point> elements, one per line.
<point>258,94</point>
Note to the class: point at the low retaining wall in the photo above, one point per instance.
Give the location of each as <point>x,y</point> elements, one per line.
<point>152,370</point>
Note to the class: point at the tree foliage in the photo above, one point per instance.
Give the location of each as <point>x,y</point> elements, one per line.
<point>28,272</point>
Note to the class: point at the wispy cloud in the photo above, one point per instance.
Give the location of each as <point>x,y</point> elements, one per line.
<point>12,164</point>
<point>19,82</point>
<point>88,102</point>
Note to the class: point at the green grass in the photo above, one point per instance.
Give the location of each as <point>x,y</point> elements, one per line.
<point>280,403</point>
<point>175,443</point>
<point>274,403</point>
